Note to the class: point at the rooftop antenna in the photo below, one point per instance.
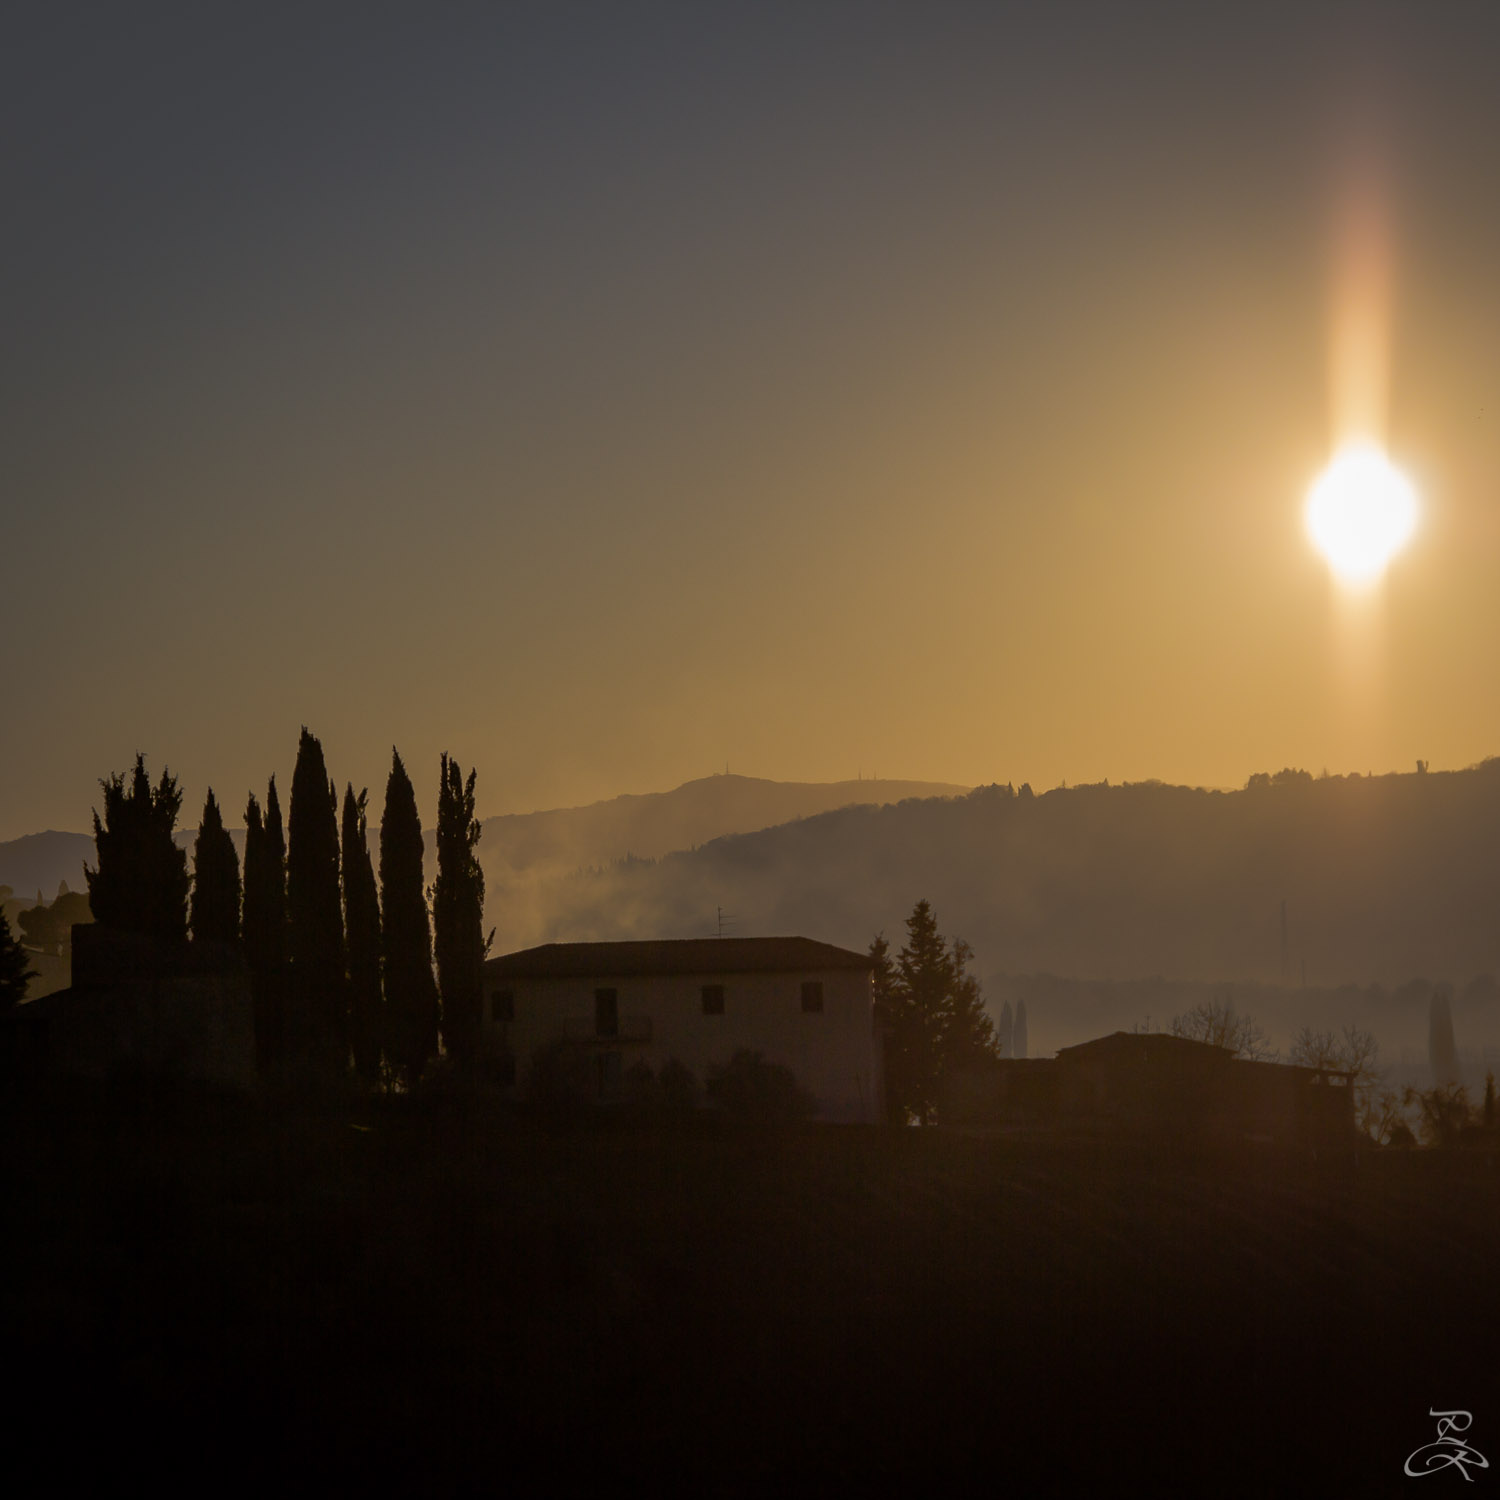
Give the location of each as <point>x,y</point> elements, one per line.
<point>723,919</point>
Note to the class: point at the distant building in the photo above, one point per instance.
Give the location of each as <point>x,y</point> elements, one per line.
<point>803,1004</point>
<point>1152,1083</point>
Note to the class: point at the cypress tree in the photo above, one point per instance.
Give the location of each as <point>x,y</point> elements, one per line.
<point>458,914</point>
<point>411,1002</point>
<point>253,920</point>
<point>361,937</point>
<point>141,883</point>
<point>215,912</point>
<point>265,925</point>
<point>315,921</point>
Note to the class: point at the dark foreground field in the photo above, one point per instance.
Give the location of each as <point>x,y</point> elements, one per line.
<point>206,1294</point>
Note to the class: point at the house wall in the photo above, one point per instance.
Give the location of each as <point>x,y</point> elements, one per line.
<point>831,1052</point>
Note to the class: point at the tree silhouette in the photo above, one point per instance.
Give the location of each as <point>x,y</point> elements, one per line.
<point>361,937</point>
<point>940,1022</point>
<point>141,883</point>
<point>458,914</point>
<point>14,970</point>
<point>411,1001</point>
<point>1355,1052</point>
<point>215,908</point>
<point>264,924</point>
<point>1216,1022</point>
<point>315,919</point>
<point>50,928</point>
<point>1444,1110</point>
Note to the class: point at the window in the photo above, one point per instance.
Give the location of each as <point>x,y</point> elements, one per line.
<point>812,994</point>
<point>502,1005</point>
<point>713,999</point>
<point>607,1012</point>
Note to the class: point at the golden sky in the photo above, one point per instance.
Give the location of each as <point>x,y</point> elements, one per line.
<point>606,398</point>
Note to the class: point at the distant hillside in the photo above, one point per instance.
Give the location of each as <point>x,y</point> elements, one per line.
<point>657,823</point>
<point>523,846</point>
<point>1384,879</point>
<point>40,861</point>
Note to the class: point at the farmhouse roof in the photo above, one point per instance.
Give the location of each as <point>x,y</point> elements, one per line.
<point>1143,1044</point>
<point>764,955</point>
<point>1163,1046</point>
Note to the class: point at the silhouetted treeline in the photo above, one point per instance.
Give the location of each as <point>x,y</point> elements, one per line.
<point>341,973</point>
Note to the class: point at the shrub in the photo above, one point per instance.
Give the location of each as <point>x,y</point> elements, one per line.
<point>668,1097</point>
<point>678,1088</point>
<point>560,1086</point>
<point>751,1091</point>
<point>1443,1111</point>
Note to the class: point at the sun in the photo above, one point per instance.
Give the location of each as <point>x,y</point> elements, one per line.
<point>1361,511</point>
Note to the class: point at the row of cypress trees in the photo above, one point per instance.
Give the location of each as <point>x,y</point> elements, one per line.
<point>341,970</point>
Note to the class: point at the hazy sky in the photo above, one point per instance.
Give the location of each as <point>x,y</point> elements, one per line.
<point>607,393</point>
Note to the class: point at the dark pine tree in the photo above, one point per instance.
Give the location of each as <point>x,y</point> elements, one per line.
<point>141,884</point>
<point>458,914</point>
<point>411,1002</point>
<point>215,908</point>
<point>361,938</point>
<point>14,969</point>
<point>264,924</point>
<point>315,921</point>
<point>940,1023</point>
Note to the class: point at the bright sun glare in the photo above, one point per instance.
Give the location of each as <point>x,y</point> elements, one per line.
<point>1360,512</point>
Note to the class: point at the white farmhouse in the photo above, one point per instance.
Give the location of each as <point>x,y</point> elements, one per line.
<point>804,1004</point>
